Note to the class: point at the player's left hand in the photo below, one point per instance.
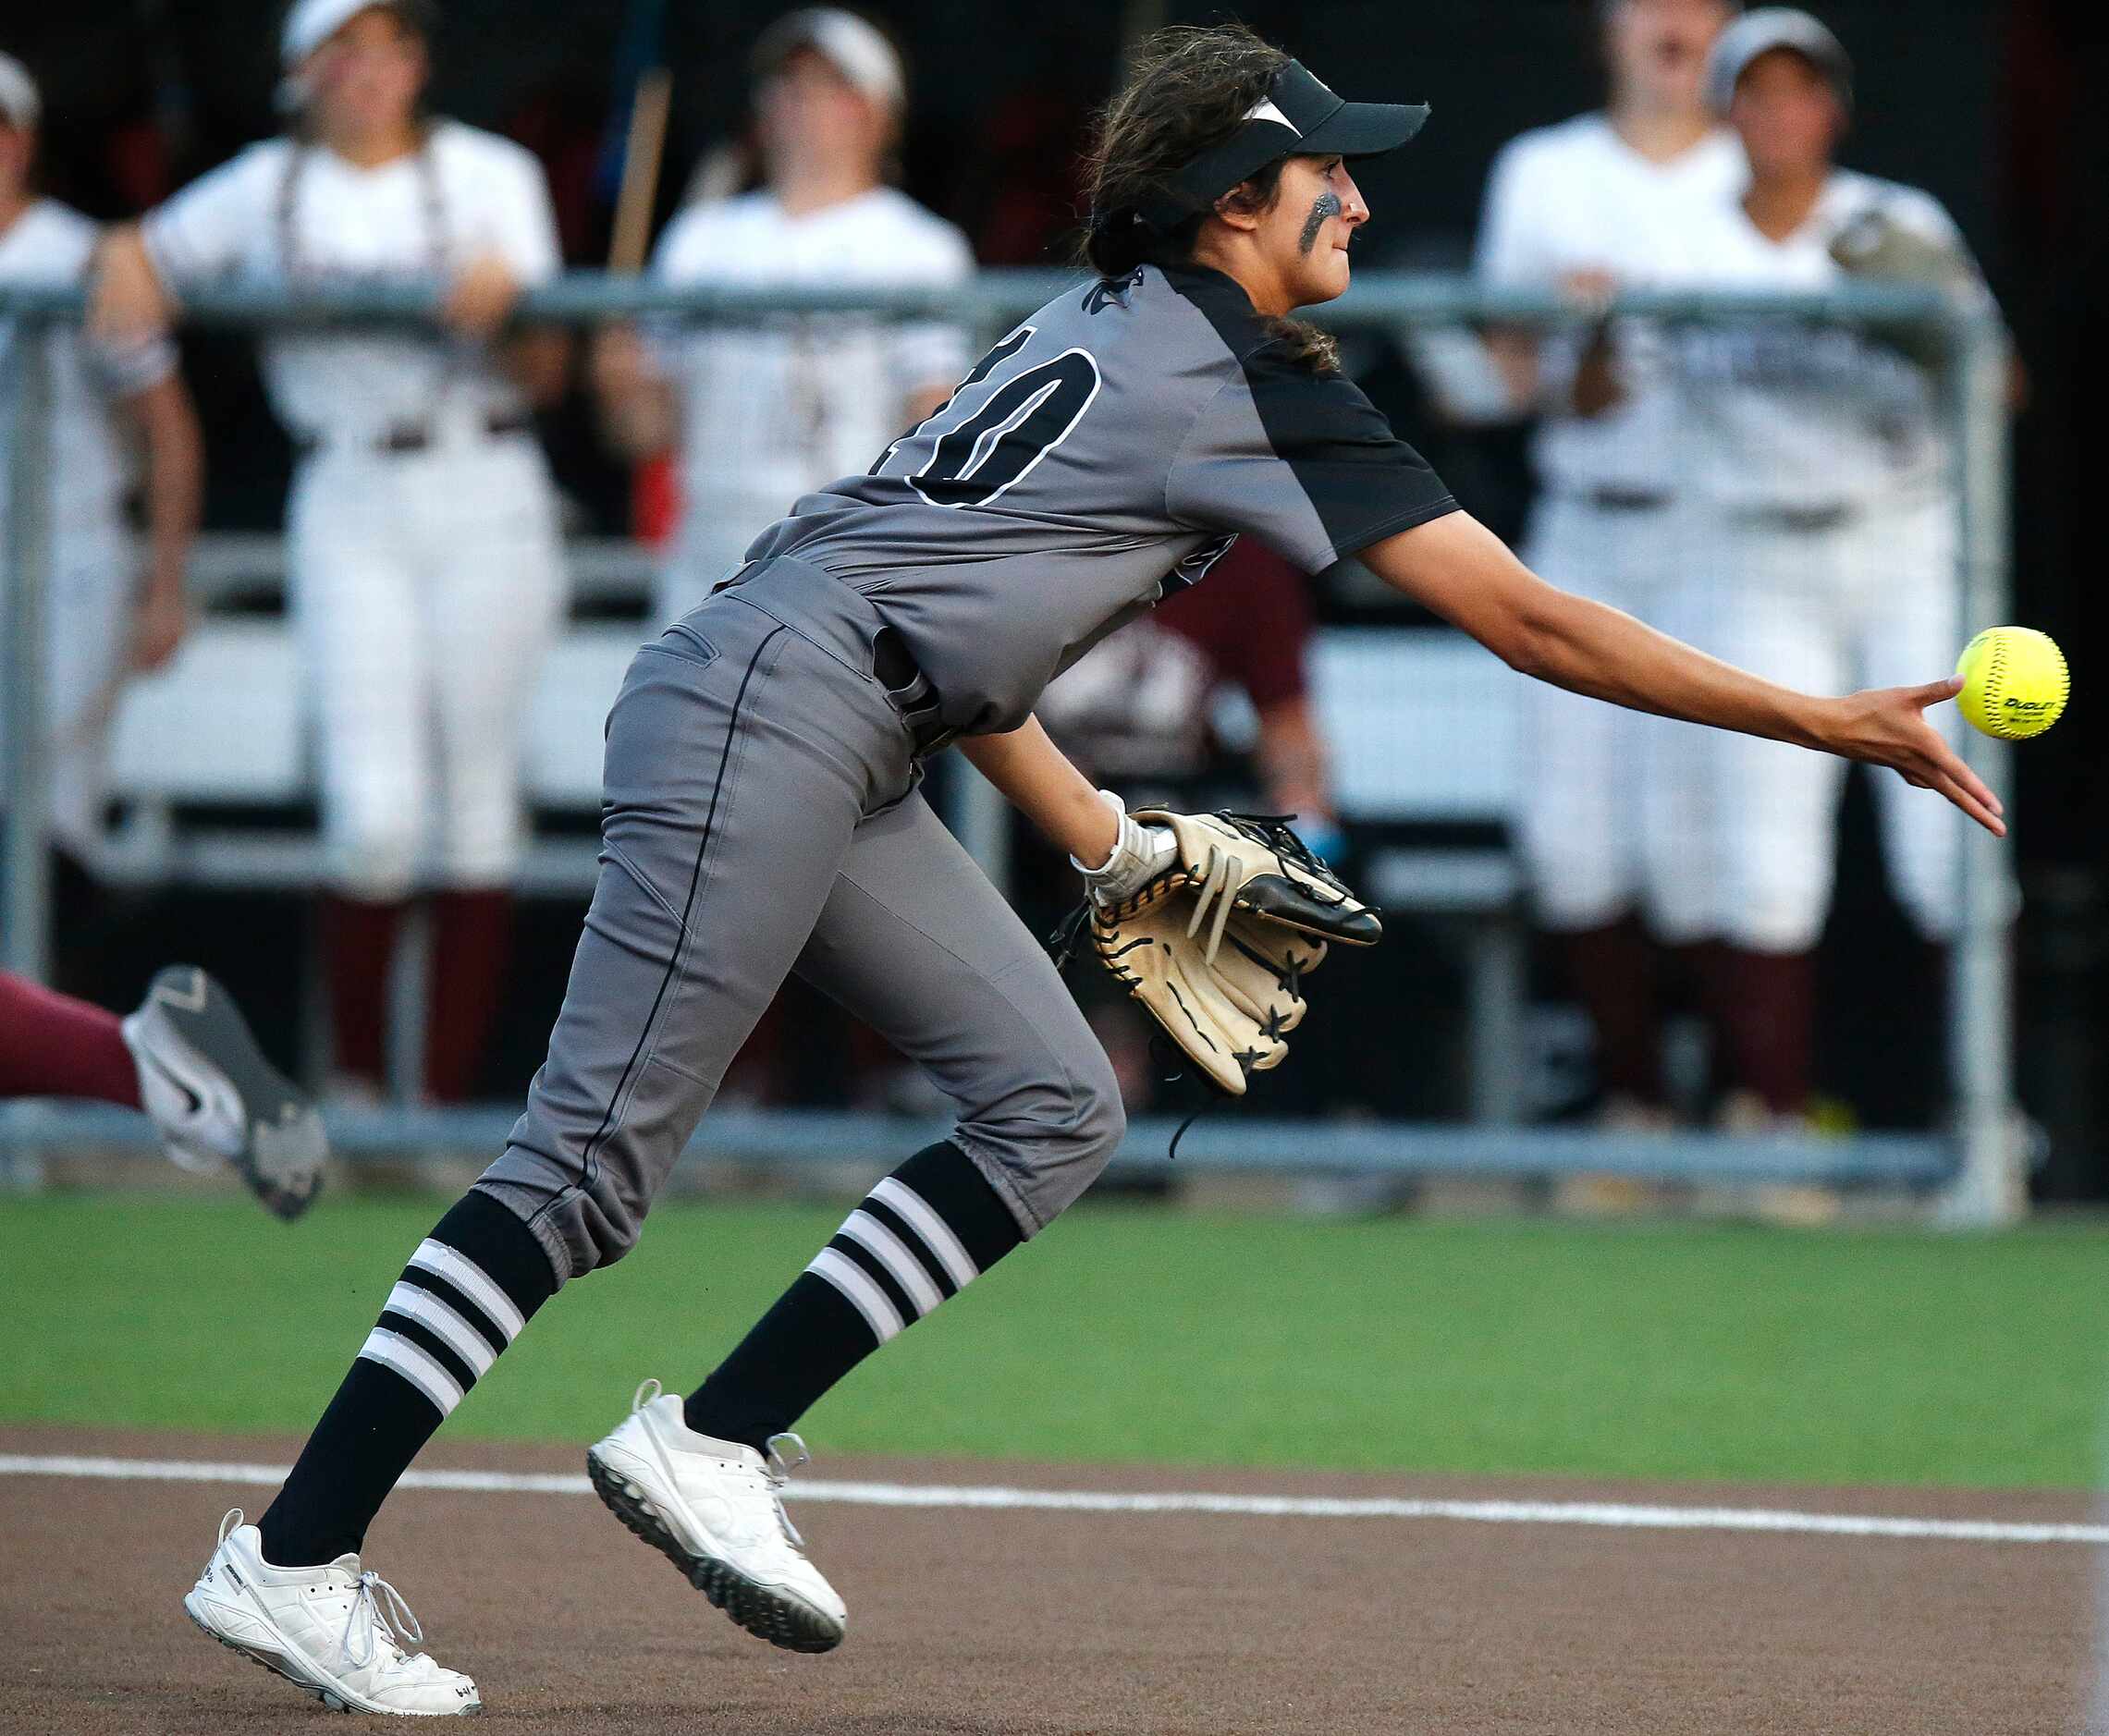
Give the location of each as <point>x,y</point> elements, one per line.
<point>1596,388</point>
<point>481,297</point>
<point>1888,727</point>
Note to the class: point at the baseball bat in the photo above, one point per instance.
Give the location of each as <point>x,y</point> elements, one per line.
<point>641,171</point>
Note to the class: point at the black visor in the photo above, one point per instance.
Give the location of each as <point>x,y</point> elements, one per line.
<point>1297,117</point>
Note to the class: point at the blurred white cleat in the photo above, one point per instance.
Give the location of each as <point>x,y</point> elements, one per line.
<point>715,1509</point>
<point>336,1631</point>
<point>214,1099</point>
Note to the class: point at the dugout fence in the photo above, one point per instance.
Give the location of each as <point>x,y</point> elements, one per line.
<point>1435,755</point>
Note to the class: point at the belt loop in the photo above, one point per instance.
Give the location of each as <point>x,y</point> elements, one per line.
<point>893,664</point>
<point>909,691</point>
<point>1617,500</point>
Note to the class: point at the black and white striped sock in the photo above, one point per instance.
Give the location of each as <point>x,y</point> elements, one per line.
<point>467,1293</point>
<point>923,1234</point>
<point>443,1325</point>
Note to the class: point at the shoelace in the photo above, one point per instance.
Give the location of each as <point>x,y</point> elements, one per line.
<point>776,1468</point>
<point>779,1470</point>
<point>371,1589</point>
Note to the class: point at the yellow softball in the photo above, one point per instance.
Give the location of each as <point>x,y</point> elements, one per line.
<point>2014,682</point>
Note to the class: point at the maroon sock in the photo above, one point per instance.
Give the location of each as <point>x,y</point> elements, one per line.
<point>1763,1006</point>
<point>470,929</point>
<point>359,946</point>
<point>1611,970</point>
<point>52,1046</point>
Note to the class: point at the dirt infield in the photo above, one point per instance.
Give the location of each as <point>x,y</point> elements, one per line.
<point>1051,1623</point>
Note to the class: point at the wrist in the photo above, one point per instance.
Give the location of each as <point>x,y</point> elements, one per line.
<point>1817,723</point>
<point>1137,855</point>
<point>1100,830</point>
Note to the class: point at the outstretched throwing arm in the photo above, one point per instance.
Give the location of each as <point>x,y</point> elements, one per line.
<point>1461,570</point>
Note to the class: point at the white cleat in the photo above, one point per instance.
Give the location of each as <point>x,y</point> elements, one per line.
<point>335,1633</point>
<point>715,1509</point>
<point>214,1099</point>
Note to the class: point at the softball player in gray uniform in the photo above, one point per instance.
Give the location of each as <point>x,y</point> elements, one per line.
<point>762,816</point>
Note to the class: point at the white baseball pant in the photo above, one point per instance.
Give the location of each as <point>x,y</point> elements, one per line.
<point>426,588</point>
<point>1868,602</point>
<point>88,626</point>
<point>1605,788</point>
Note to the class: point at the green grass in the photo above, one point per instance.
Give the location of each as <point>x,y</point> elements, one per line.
<point>1648,1352</point>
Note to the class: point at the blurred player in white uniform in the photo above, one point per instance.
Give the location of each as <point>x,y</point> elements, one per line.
<point>106,613</point>
<point>1604,201</point>
<point>764,414</point>
<point>422,533</point>
<point>1818,461</point>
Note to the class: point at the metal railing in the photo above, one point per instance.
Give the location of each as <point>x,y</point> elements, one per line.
<point>1976,1167</point>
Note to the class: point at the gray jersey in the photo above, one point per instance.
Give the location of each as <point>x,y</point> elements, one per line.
<point>1099,457</point>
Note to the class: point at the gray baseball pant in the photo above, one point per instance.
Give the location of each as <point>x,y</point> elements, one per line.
<point>760,815</point>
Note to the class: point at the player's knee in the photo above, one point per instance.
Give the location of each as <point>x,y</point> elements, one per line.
<point>372,839</point>
<point>1099,1118</point>
<point>1084,1122</point>
<point>1078,1139</point>
<point>1050,1140</point>
<point>581,1228</point>
<point>600,1229</point>
<point>380,865</point>
<point>1934,906</point>
<point>485,855</point>
<point>1780,923</point>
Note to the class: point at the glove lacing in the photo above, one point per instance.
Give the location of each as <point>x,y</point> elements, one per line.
<point>1275,831</point>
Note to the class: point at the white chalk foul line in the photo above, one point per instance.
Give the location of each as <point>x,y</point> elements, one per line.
<point>1611,1515</point>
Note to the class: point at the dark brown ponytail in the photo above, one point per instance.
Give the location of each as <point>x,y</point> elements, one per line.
<point>1188,90</point>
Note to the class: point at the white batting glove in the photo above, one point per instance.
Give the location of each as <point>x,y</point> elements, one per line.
<point>1140,854</point>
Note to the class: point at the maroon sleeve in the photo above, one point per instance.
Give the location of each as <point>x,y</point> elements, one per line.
<point>1251,617</point>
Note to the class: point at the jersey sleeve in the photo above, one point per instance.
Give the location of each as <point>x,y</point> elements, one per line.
<point>1507,252</point>
<point>927,353</point>
<point>1510,252</point>
<point>680,256</point>
<point>212,225</point>
<point>1921,213</point>
<point>517,220</point>
<point>1302,460</point>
